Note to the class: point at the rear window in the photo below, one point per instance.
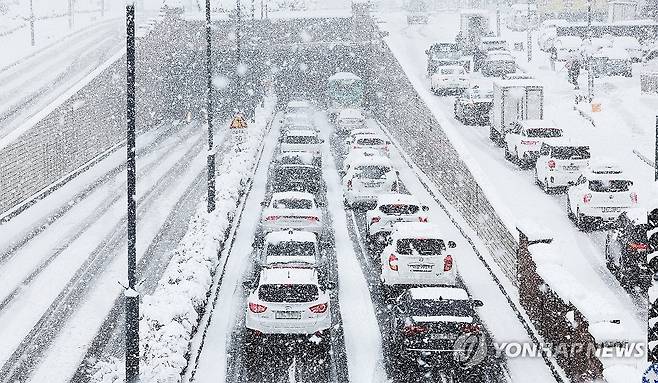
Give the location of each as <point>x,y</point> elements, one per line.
<point>292,203</point>
<point>301,140</point>
<point>370,141</point>
<point>307,174</point>
<point>611,186</point>
<point>288,293</point>
<point>398,209</point>
<point>291,249</point>
<point>571,152</point>
<point>420,246</point>
<point>544,132</point>
<point>452,71</point>
<point>372,172</point>
<point>442,307</point>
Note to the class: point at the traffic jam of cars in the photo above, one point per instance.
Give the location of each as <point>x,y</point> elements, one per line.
<point>490,89</point>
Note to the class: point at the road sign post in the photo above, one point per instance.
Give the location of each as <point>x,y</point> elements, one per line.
<point>209,106</point>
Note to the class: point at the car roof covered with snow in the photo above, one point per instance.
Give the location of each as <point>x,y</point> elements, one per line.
<point>369,135</point>
<point>457,67</point>
<point>292,195</point>
<point>299,104</point>
<point>288,275</point>
<point>530,124</point>
<point>371,161</point>
<point>301,133</point>
<point>397,198</point>
<point>566,142</point>
<point>350,113</point>
<point>416,230</point>
<point>358,131</point>
<point>344,76</point>
<point>290,235</point>
<point>437,293</point>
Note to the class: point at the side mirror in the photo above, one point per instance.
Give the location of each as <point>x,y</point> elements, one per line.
<point>452,244</point>
<point>348,142</point>
<point>427,51</point>
<point>478,303</point>
<point>425,208</point>
<point>341,173</point>
<point>330,285</point>
<point>248,284</point>
<point>263,203</point>
<point>321,204</point>
<point>397,172</point>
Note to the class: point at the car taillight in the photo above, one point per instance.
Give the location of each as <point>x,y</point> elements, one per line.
<point>551,164</point>
<point>393,262</point>
<point>319,309</point>
<point>414,329</point>
<point>638,246</point>
<point>633,197</point>
<point>272,218</point>
<point>587,197</point>
<point>375,219</point>
<point>349,184</point>
<point>447,263</point>
<point>394,186</point>
<point>312,219</point>
<point>528,142</point>
<point>256,308</point>
<point>470,328</point>
<point>422,219</point>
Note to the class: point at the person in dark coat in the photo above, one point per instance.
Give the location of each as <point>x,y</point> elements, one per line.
<point>575,72</point>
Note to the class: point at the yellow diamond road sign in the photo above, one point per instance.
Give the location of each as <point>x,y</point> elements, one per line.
<point>238,122</point>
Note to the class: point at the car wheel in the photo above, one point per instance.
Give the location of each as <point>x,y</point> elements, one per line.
<point>536,176</point>
<point>580,220</point>
<point>569,211</point>
<point>516,156</point>
<point>508,155</point>
<point>346,203</point>
<point>547,189</point>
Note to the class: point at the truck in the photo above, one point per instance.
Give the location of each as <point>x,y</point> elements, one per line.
<point>473,25</point>
<point>514,100</point>
<point>417,11</point>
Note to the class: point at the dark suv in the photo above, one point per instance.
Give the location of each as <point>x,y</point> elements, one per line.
<point>626,249</point>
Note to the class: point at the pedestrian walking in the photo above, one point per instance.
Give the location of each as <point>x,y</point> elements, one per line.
<point>575,68</point>
<point>553,57</point>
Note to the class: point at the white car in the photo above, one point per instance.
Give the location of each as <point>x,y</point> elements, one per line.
<point>293,141</point>
<point>290,248</point>
<point>601,194</point>
<point>349,119</point>
<point>367,178</point>
<point>355,155</point>
<point>560,163</point>
<point>449,78</point>
<point>524,139</point>
<point>289,301</point>
<point>417,256</point>
<point>373,141</point>
<point>292,210</point>
<point>391,209</point>
<point>299,107</point>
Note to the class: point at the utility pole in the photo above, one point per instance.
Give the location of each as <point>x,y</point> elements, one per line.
<point>132,298</point>
<point>238,55</point>
<point>209,107</point>
<point>71,14</point>
<point>497,20</point>
<point>529,30</point>
<point>102,8</point>
<point>655,167</point>
<point>31,23</point>
<point>590,72</point>
<point>261,9</point>
<point>253,9</point>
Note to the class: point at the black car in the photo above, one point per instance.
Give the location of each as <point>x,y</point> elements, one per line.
<point>473,106</point>
<point>429,325</point>
<point>626,249</point>
<point>298,177</point>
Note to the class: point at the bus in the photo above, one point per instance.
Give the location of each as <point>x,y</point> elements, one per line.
<point>344,90</point>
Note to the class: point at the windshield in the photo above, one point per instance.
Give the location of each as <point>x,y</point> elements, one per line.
<point>372,172</point>
<point>448,71</point>
<point>291,249</point>
<point>571,152</point>
<point>301,140</point>
<point>292,203</point>
<point>443,307</point>
<point>544,132</point>
<point>396,209</point>
<point>420,246</point>
<point>370,141</point>
<point>288,293</point>
<point>609,186</point>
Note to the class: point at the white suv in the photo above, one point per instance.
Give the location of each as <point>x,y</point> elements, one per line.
<point>524,139</point>
<point>417,256</point>
<point>289,301</point>
<point>601,194</point>
<point>292,210</point>
<point>391,209</point>
<point>367,178</point>
<point>560,164</point>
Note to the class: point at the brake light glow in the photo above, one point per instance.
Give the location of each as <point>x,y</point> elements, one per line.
<point>312,219</point>
<point>393,262</point>
<point>587,197</point>
<point>447,263</point>
<point>375,219</point>
<point>422,219</point>
<point>637,246</point>
<point>272,218</point>
<point>319,309</point>
<point>633,197</point>
<point>471,328</point>
<point>414,329</point>
<point>256,308</point>
<point>551,164</point>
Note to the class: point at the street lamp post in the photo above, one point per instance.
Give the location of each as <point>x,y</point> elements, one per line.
<point>132,298</point>
<point>529,32</point>
<point>209,107</point>
<point>31,23</point>
<point>590,73</point>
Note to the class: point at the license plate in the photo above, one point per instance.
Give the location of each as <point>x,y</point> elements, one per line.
<point>441,336</point>
<point>421,268</point>
<point>571,168</point>
<point>288,315</point>
<point>372,184</point>
<point>611,209</point>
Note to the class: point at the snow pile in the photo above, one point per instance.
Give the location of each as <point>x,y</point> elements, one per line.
<point>169,316</point>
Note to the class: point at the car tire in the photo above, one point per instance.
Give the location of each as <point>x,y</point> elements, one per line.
<point>547,189</point>
<point>580,220</point>
<point>346,203</point>
<point>536,176</point>
<point>508,155</point>
<point>569,211</point>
